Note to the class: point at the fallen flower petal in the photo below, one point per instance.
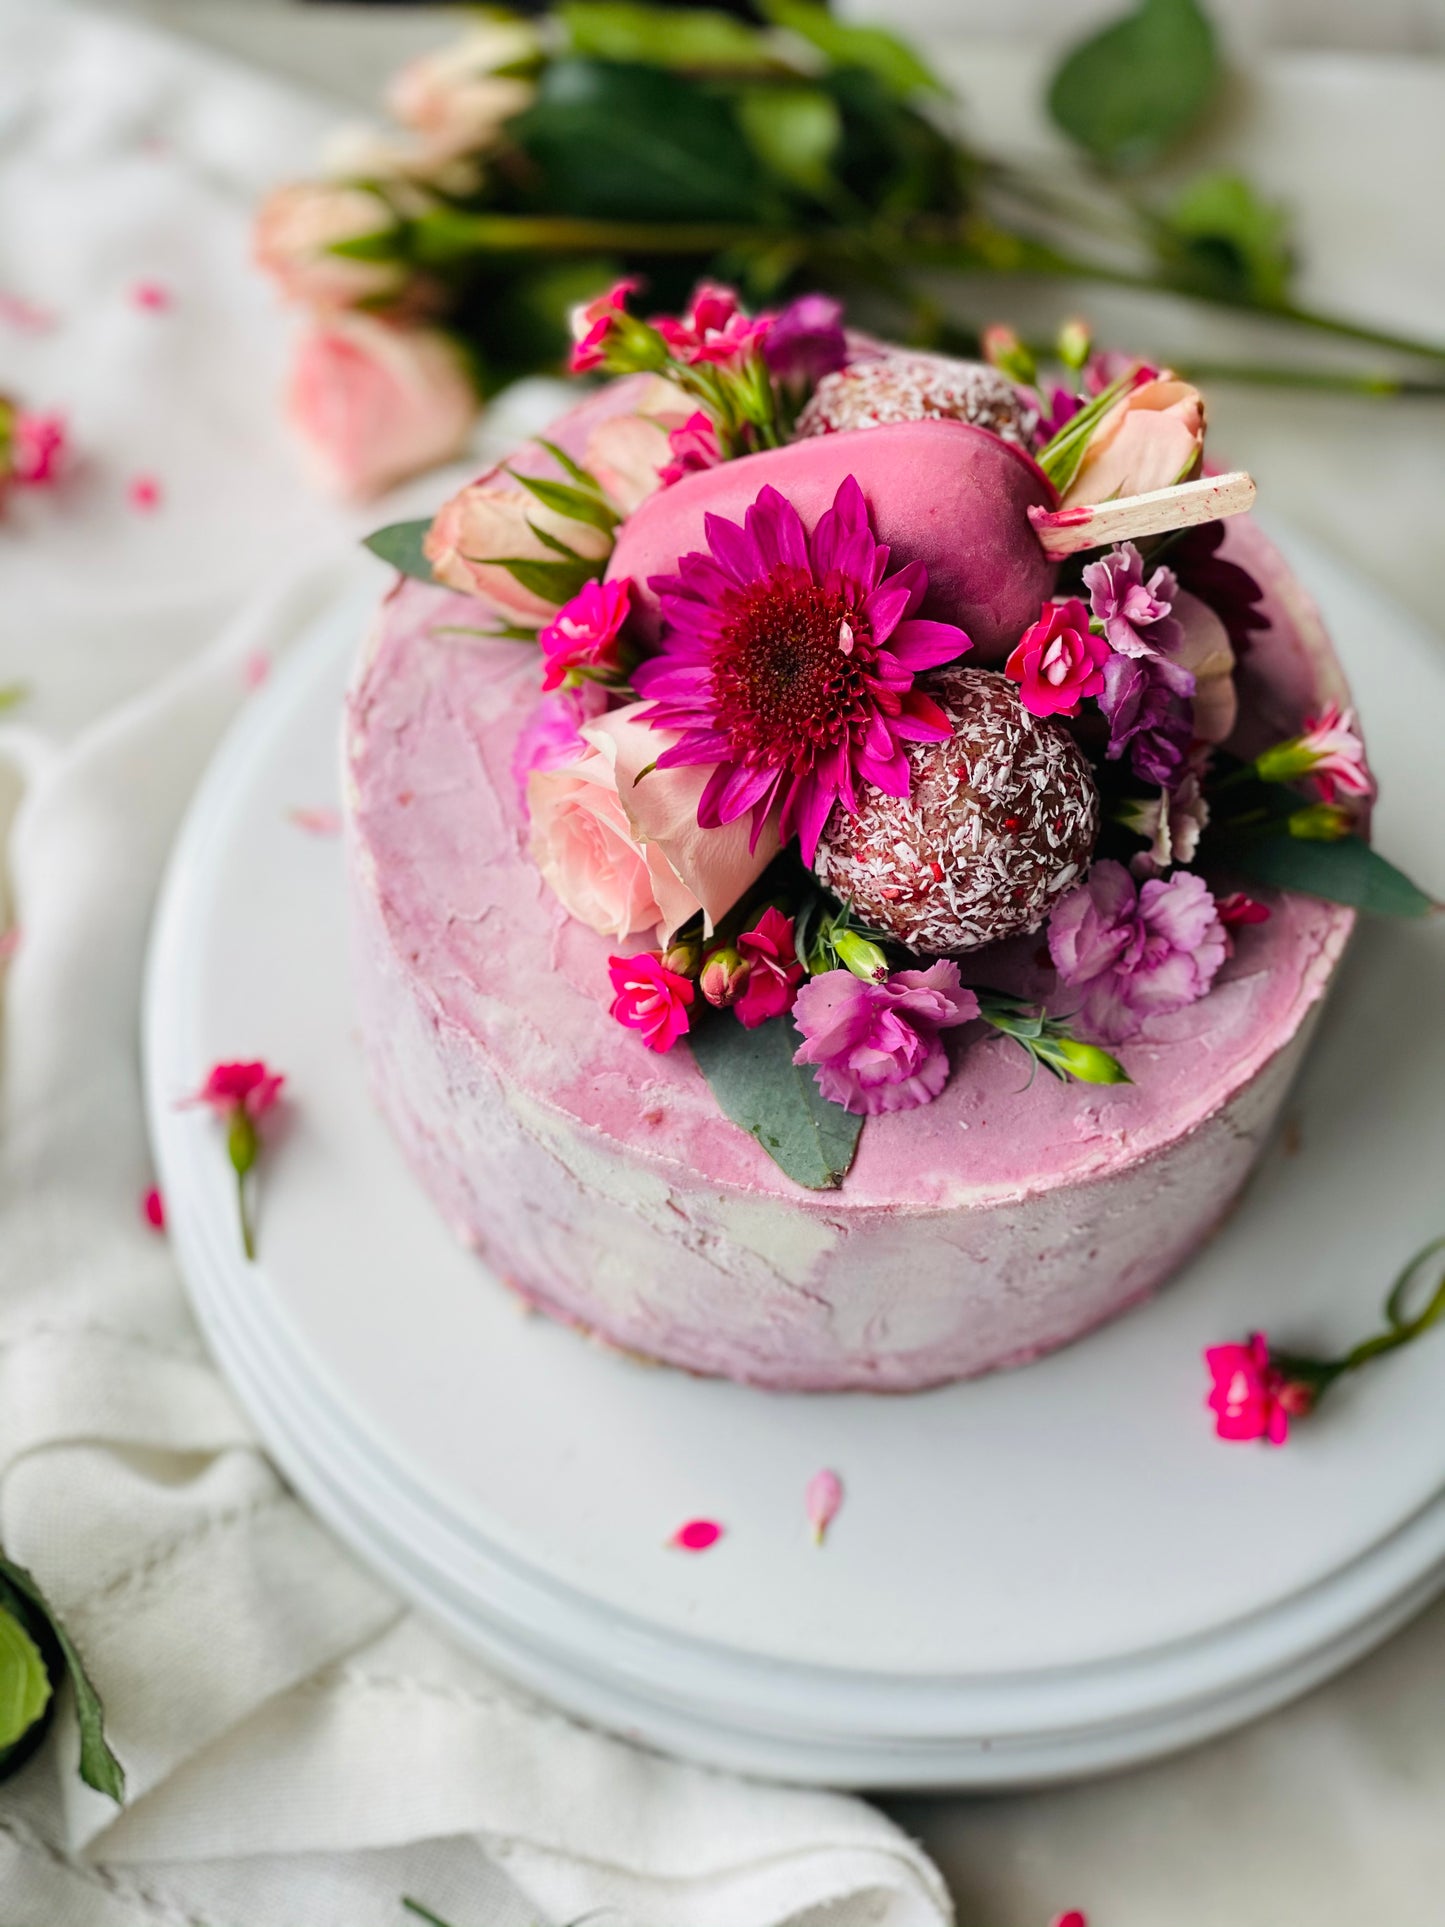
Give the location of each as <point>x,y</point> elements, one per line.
<point>144,494</point>
<point>696,1536</point>
<point>316,822</point>
<point>153,1209</point>
<point>823,1498</point>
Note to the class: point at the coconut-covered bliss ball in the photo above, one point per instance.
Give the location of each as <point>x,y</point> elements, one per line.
<point>896,385</point>
<point>999,821</point>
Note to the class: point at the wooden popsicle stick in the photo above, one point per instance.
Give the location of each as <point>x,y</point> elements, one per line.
<point>1094,525</point>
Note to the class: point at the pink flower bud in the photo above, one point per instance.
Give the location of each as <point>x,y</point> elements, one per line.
<point>724,978</point>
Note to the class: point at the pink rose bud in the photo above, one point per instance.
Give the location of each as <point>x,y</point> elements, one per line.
<point>724,977</point>
<point>1152,437</point>
<point>1003,350</point>
<point>682,959</point>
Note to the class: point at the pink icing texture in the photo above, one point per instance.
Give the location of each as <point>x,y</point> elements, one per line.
<point>603,1181</point>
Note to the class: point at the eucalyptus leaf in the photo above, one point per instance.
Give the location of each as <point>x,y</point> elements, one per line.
<point>754,1079</point>
<point>633,143</point>
<point>24,1682</point>
<point>99,1767</point>
<point>1345,872</point>
<point>399,543</point>
<point>696,38</point>
<point>881,53</point>
<point>1218,237</point>
<point>1129,93</point>
<point>794,131</point>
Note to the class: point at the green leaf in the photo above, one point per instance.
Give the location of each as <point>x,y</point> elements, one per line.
<point>24,1683</point>
<point>1218,237</point>
<point>581,476</point>
<point>683,37</point>
<point>1345,872</point>
<point>755,1080</point>
<point>881,53</point>
<point>794,131</point>
<point>1128,93</point>
<point>577,504</point>
<point>382,244</point>
<point>554,582</point>
<point>99,1767</point>
<point>636,144</point>
<point>400,545</point>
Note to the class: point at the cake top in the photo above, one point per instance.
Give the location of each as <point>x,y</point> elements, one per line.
<point>905,727</point>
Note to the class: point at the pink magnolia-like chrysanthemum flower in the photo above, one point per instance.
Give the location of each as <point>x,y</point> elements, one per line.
<point>592,323</point>
<point>1136,952</point>
<point>715,329</point>
<point>1058,661</point>
<point>788,664</point>
<point>584,632</point>
<point>694,447</point>
<point>1251,1397</point>
<point>650,998</point>
<point>877,1046</point>
<point>251,1087</point>
<point>773,970</point>
<point>1137,615</point>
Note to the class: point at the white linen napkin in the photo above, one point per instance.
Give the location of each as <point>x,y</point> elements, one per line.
<point>299,1748</point>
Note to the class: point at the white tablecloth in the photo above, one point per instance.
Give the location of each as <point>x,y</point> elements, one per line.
<point>300,1750</point>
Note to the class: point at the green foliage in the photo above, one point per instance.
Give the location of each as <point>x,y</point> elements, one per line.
<point>873,49</point>
<point>794,131</point>
<point>22,1599</point>
<point>399,543</point>
<point>1345,872</point>
<point>691,39</point>
<point>1218,237</point>
<point>24,1682</point>
<point>755,1080</point>
<point>1129,93</point>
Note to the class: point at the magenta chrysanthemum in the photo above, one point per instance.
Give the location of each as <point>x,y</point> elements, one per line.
<point>788,663</point>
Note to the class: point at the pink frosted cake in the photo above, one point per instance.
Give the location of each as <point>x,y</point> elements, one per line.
<point>771,1111</point>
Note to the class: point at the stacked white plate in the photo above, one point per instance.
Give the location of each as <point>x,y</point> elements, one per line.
<point>1035,1576</point>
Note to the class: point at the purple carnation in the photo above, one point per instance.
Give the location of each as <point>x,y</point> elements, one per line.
<point>1136,614</point>
<point>806,340</point>
<point>1149,704</point>
<point>877,1046</point>
<point>1137,952</point>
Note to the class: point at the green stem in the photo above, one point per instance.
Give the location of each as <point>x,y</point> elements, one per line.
<point>248,1236</point>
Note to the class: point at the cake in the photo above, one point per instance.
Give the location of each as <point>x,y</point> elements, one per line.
<point>981,1215</point>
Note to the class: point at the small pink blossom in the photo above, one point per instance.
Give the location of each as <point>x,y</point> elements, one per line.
<point>593,322</point>
<point>250,1087</point>
<point>1136,613</point>
<point>822,1500</point>
<point>1328,749</point>
<point>581,641</point>
<point>38,448</point>
<point>1251,1397</point>
<point>1136,952</point>
<point>551,736</point>
<point>698,1535</point>
<point>694,447</point>
<point>153,1209</point>
<point>650,998</point>
<point>773,970</point>
<point>715,330</point>
<point>144,493</point>
<point>877,1046</point>
<point>316,822</point>
<point>1058,660</point>
<point>154,296</point>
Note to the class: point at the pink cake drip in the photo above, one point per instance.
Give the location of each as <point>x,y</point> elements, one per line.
<point>979,1231</point>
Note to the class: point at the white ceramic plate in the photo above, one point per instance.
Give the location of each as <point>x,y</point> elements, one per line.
<point>1037,1574</point>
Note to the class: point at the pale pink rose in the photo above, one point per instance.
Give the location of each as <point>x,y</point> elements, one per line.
<point>1205,651</point>
<point>583,844</point>
<point>496,517</point>
<point>455,100</point>
<point>373,403</point>
<point>1151,438</point>
<point>715,865</point>
<point>296,227</point>
<point>626,452</point>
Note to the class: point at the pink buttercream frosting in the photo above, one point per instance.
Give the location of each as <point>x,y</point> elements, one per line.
<point>603,1181</point>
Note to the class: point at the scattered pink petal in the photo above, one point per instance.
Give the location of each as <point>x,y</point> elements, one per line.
<point>255,669</point>
<point>1073,1918</point>
<point>696,1536</point>
<point>152,295</point>
<point>823,1497</point>
<point>321,822</point>
<point>28,316</point>
<point>9,942</point>
<point>144,493</point>
<point>153,1209</point>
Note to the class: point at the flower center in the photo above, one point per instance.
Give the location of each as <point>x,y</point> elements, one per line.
<point>789,672</point>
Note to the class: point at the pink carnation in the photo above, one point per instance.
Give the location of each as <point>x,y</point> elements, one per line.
<point>693,446</point>
<point>650,998</point>
<point>251,1088</point>
<point>593,322</point>
<point>773,973</point>
<point>1251,1397</point>
<point>877,1046</point>
<point>1136,952</point>
<point>1337,756</point>
<point>715,328</point>
<point>1058,661</point>
<point>583,635</point>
